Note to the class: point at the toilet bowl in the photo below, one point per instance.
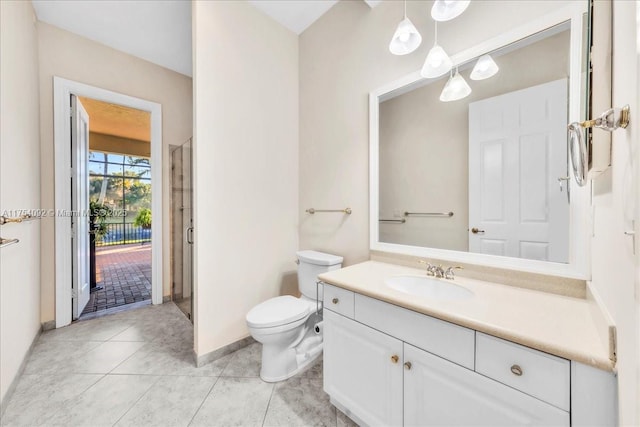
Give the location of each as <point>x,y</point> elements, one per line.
<point>285,325</point>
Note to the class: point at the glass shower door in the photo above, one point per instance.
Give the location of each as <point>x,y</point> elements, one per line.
<point>182,229</point>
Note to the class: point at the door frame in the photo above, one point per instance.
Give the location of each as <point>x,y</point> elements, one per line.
<point>62,91</point>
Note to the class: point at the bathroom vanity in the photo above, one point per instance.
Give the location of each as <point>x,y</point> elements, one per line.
<point>500,355</point>
<point>481,182</point>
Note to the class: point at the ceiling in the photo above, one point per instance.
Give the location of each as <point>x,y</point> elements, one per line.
<point>117,120</point>
<point>160,31</point>
<point>296,15</point>
<point>157,31</point>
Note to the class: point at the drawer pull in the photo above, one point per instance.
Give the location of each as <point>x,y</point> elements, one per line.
<point>516,370</point>
<point>394,358</point>
<point>335,300</point>
<point>407,366</point>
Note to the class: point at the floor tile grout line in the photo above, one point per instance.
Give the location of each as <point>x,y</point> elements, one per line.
<point>130,356</point>
<point>273,390</point>
<point>234,354</point>
<point>223,368</point>
<point>84,353</point>
<point>203,400</point>
<point>138,400</point>
<point>100,376</point>
<point>121,332</point>
<point>79,394</point>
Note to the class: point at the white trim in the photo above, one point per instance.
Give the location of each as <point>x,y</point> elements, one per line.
<point>580,238</point>
<point>62,90</point>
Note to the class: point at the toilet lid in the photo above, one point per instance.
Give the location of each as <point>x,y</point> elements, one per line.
<point>277,311</point>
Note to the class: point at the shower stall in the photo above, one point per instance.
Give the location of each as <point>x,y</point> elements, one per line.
<point>182,228</point>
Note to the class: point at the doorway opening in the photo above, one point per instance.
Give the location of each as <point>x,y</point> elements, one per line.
<point>118,171</point>
<point>120,195</point>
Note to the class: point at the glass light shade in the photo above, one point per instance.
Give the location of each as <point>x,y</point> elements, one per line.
<point>437,63</point>
<point>455,89</point>
<point>484,68</point>
<point>406,39</point>
<point>446,10</point>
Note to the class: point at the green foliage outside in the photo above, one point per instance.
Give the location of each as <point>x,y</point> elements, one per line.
<point>121,190</point>
<point>99,214</point>
<point>143,219</point>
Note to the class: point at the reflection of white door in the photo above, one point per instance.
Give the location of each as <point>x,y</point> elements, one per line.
<point>517,151</point>
<point>79,205</point>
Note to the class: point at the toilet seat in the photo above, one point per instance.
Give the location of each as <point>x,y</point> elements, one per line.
<point>278,311</point>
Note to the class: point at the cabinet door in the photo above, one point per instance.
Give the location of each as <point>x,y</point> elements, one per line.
<point>363,370</point>
<point>438,392</point>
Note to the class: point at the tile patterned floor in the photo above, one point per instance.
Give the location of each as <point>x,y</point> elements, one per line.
<point>135,368</point>
<point>124,272</point>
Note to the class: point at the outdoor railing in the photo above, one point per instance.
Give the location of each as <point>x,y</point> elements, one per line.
<point>122,234</point>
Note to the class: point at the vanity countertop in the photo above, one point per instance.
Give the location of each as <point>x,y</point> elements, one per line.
<point>559,325</point>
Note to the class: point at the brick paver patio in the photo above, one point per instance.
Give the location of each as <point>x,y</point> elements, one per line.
<point>124,272</point>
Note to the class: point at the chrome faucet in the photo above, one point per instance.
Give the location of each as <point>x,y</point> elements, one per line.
<point>433,270</point>
<point>429,267</point>
<point>439,271</point>
<point>449,273</point>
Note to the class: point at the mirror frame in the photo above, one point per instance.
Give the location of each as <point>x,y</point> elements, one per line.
<point>578,266</point>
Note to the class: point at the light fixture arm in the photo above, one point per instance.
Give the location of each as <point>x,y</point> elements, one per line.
<point>610,120</point>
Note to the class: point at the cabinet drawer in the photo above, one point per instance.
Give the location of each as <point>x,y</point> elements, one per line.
<point>531,371</point>
<point>444,339</point>
<point>338,300</point>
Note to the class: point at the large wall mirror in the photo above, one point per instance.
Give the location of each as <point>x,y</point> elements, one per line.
<point>486,179</point>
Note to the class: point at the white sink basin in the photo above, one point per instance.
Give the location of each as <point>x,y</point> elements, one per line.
<point>429,287</point>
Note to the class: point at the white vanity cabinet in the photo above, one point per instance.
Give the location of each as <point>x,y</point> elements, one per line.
<point>366,370</point>
<point>440,393</point>
<point>380,373</point>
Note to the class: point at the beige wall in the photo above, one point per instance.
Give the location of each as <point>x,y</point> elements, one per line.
<point>616,199</point>
<point>19,187</point>
<point>424,146</point>
<point>245,165</point>
<point>344,56</point>
<point>76,58</point>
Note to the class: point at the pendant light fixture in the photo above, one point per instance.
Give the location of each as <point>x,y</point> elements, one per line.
<point>446,10</point>
<point>438,62</point>
<point>406,39</point>
<point>455,89</point>
<point>485,67</point>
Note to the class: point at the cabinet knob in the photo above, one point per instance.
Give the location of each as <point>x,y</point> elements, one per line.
<point>335,300</point>
<point>394,358</point>
<point>407,366</point>
<point>516,370</point>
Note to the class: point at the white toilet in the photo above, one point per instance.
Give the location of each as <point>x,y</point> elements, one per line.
<point>286,325</point>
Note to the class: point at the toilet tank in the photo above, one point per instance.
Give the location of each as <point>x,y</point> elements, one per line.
<point>311,264</point>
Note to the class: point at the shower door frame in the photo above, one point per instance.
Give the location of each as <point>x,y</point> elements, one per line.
<point>184,229</point>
